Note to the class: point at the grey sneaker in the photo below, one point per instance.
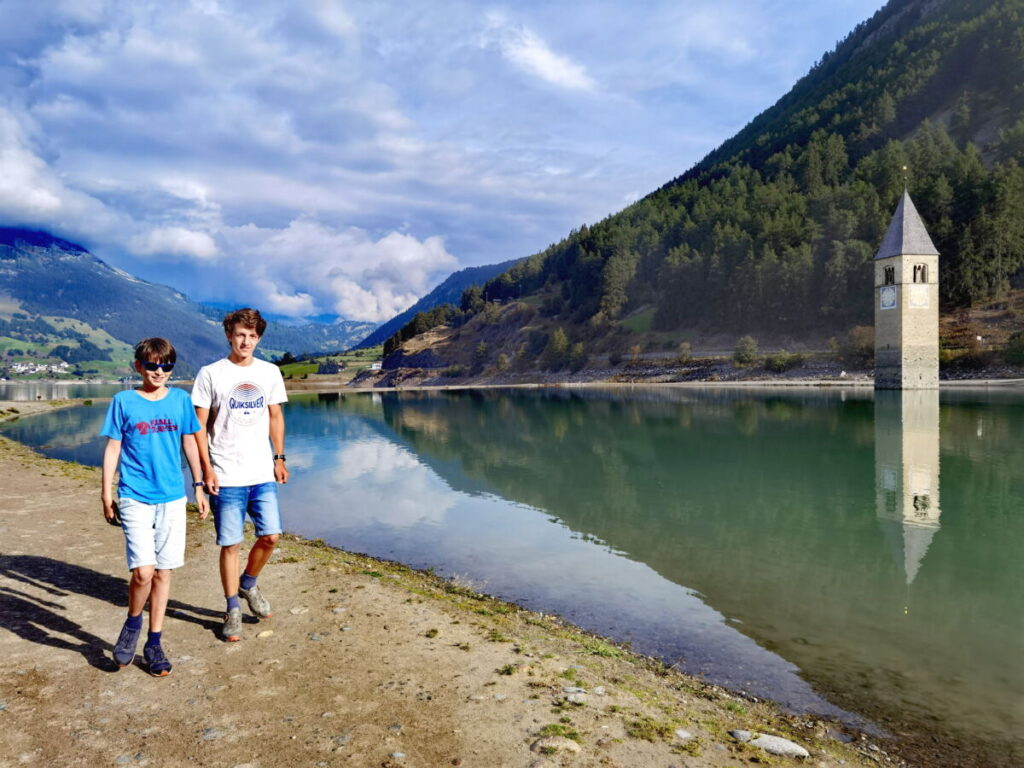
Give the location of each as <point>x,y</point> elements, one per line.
<point>231,632</point>
<point>156,661</point>
<point>124,648</point>
<point>258,604</point>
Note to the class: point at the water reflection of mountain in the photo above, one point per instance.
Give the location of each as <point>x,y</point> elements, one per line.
<point>767,506</point>
<point>71,434</point>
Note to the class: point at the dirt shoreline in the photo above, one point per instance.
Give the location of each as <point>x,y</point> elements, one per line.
<point>365,663</point>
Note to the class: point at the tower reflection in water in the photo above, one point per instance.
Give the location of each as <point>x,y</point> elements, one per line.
<point>907,474</point>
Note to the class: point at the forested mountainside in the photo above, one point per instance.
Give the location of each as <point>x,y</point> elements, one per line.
<point>448,292</point>
<point>776,229</point>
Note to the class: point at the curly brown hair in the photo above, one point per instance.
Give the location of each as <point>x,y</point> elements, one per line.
<point>247,318</point>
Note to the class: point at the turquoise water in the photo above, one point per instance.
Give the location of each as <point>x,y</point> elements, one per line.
<point>838,553</point>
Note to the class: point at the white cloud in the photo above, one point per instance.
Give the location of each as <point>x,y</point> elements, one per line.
<point>525,49</point>
<point>32,193</point>
<point>294,305</point>
<point>333,18</point>
<point>175,242</point>
<point>308,265</point>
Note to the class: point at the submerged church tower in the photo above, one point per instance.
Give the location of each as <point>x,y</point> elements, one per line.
<point>906,304</point>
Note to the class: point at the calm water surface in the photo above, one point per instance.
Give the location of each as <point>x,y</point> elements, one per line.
<point>56,390</point>
<point>824,549</point>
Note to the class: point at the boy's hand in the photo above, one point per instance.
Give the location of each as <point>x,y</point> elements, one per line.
<point>280,471</point>
<point>212,482</point>
<point>203,503</point>
<point>109,512</point>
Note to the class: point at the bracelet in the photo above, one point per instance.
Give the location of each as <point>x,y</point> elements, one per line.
<point>199,484</point>
<point>279,456</point>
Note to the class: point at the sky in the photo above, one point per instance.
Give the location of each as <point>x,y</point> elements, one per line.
<point>342,157</point>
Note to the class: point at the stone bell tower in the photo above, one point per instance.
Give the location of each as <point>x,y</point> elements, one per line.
<point>906,304</point>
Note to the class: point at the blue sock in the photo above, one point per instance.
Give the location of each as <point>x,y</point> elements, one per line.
<point>233,602</point>
<point>153,639</point>
<point>134,622</point>
<point>248,582</point>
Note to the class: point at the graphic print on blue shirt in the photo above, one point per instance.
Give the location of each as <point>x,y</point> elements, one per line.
<point>246,402</point>
<point>155,425</point>
<point>150,433</point>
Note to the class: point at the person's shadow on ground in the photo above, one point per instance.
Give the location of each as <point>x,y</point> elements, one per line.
<point>43,621</point>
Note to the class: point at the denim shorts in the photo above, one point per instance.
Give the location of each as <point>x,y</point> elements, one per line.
<point>154,534</point>
<point>231,505</point>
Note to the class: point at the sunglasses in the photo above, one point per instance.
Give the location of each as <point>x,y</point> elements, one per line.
<point>166,367</point>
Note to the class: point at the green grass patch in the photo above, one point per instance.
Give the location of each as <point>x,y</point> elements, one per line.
<point>649,729</point>
<point>640,322</point>
<point>561,729</point>
<point>601,648</point>
<point>298,369</point>
<point>571,674</point>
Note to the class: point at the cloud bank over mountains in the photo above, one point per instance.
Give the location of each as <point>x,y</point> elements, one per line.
<point>346,156</point>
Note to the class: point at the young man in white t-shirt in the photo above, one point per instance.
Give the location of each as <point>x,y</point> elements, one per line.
<point>238,401</point>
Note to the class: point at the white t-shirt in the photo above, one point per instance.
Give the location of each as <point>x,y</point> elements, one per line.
<point>238,397</point>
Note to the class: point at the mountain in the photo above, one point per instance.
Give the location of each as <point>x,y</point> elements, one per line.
<point>328,333</point>
<point>774,232</point>
<point>448,292</point>
<point>44,275</point>
<point>60,302</point>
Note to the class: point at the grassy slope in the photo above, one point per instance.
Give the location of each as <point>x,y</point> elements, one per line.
<point>121,353</point>
<point>354,362</point>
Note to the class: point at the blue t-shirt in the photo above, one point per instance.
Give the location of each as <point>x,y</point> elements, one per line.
<point>150,433</point>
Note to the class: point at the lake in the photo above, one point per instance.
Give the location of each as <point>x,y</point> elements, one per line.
<point>849,553</point>
<point>44,389</point>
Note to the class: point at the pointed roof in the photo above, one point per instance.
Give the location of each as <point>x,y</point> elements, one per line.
<point>916,540</point>
<point>906,233</point>
<point>908,543</point>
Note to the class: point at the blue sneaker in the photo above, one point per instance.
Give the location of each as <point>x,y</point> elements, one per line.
<point>157,663</point>
<point>124,648</point>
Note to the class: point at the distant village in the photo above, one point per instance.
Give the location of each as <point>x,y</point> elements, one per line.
<point>25,369</point>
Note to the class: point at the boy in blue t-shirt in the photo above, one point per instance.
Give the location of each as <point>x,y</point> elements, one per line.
<point>146,429</point>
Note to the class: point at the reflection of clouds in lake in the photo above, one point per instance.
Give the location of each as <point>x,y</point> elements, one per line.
<point>76,439</point>
<point>374,461</point>
<point>299,460</point>
<point>372,483</point>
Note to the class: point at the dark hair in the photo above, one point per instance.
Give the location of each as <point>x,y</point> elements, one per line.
<point>247,318</point>
<point>158,348</point>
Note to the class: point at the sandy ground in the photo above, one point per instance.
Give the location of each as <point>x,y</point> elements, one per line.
<point>364,663</point>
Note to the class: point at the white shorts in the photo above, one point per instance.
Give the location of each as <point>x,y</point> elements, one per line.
<point>154,534</point>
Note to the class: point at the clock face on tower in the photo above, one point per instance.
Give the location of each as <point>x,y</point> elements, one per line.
<point>887,297</point>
